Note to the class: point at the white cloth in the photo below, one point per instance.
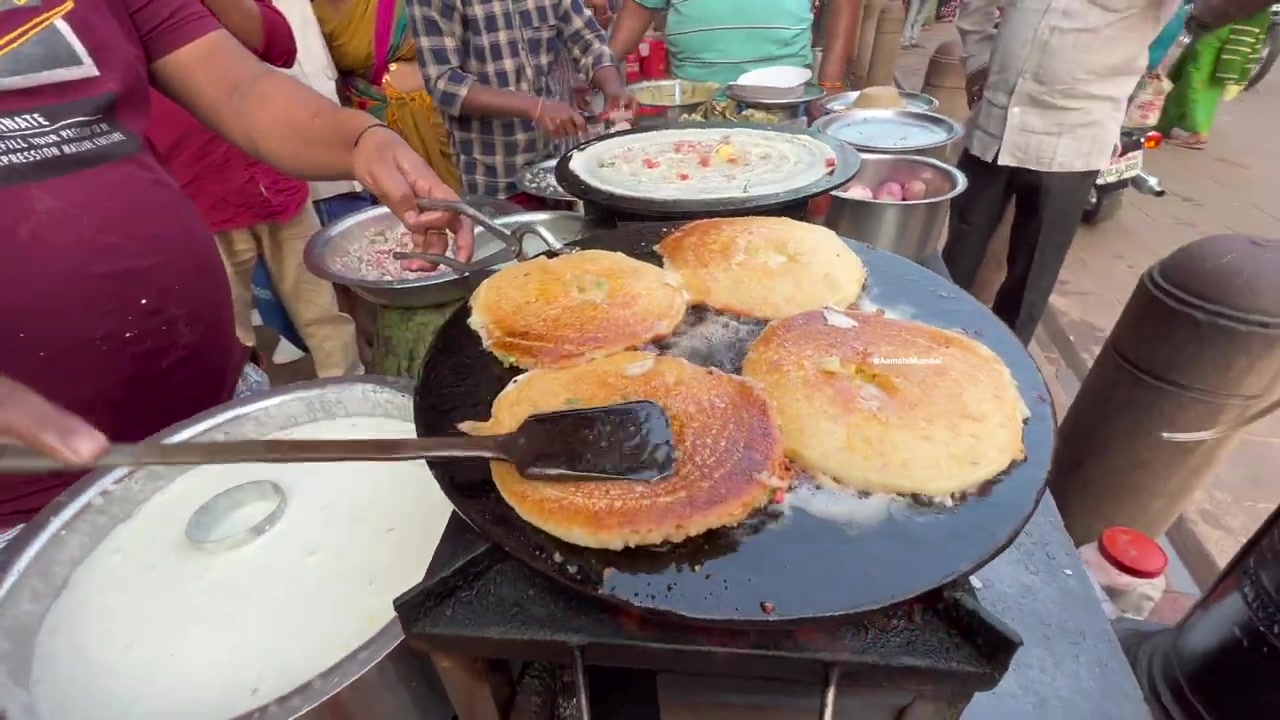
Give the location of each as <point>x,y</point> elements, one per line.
<point>314,67</point>
<point>1060,75</point>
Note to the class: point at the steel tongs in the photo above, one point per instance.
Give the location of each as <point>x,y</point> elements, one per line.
<point>512,240</point>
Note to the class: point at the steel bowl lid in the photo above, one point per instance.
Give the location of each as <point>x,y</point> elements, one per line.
<point>900,131</point>
<point>843,102</point>
<point>56,545</point>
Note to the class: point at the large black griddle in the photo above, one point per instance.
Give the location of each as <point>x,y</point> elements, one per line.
<point>847,162</point>
<point>778,567</point>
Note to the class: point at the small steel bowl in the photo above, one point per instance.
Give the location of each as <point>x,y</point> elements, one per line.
<point>659,102</point>
<point>429,290</point>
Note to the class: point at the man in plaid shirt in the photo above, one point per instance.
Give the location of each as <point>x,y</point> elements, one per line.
<point>487,65</point>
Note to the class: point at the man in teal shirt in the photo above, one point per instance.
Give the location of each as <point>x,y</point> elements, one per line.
<point>718,40</point>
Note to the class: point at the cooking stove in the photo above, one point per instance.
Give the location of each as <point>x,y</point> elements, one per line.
<point>479,610</point>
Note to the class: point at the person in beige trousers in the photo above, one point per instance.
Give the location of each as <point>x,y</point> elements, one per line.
<point>253,209</point>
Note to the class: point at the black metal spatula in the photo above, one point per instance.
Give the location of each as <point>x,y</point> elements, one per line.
<point>629,441</point>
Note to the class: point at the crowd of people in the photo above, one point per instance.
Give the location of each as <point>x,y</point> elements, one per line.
<point>150,156</point>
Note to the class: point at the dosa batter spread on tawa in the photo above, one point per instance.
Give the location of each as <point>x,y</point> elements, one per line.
<point>152,627</point>
<point>703,163</point>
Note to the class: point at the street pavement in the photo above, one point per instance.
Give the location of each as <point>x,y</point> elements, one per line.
<point>1229,187</point>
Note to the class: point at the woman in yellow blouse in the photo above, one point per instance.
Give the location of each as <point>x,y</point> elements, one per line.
<point>374,52</point>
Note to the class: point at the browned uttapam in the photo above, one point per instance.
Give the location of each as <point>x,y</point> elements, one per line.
<point>763,267</point>
<point>555,312</point>
<point>878,404</point>
<point>729,452</point>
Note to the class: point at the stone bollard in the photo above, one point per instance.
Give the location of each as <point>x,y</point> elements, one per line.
<point>861,60</point>
<point>944,81</point>
<point>1196,346</point>
<point>884,50</point>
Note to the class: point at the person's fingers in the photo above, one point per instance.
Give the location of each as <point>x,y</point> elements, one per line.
<point>37,423</point>
<point>464,239</point>
<point>578,124</point>
<point>390,185</point>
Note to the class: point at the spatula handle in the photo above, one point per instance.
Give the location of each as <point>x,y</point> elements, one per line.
<point>18,459</point>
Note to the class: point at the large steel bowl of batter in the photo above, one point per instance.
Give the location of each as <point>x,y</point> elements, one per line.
<point>381,679</point>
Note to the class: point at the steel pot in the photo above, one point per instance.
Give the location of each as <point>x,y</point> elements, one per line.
<point>912,229</point>
<point>893,132</point>
<point>382,679</point>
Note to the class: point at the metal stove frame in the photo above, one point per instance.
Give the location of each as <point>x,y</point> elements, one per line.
<point>466,618</point>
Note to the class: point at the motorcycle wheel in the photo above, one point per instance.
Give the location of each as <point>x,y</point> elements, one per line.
<point>1270,50</point>
<point>1101,208</point>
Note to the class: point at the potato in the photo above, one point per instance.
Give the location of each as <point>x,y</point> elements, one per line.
<point>915,190</point>
<point>857,191</point>
<point>889,192</point>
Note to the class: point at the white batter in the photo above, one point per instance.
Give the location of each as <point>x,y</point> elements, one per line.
<point>151,627</point>
<point>703,164</point>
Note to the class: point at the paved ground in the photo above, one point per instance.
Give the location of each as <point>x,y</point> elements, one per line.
<point>1229,187</point>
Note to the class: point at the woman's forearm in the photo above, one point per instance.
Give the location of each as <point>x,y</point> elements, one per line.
<point>629,29</point>
<point>262,110</point>
<point>840,35</point>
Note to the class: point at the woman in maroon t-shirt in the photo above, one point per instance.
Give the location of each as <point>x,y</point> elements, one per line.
<point>113,301</point>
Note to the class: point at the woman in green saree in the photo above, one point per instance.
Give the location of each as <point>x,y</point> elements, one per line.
<point>1216,67</point>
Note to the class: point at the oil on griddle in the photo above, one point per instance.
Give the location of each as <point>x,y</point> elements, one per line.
<point>821,552</point>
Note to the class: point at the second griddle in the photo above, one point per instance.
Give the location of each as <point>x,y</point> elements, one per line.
<point>782,566</point>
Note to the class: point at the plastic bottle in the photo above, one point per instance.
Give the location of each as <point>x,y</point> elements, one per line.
<point>1127,570</point>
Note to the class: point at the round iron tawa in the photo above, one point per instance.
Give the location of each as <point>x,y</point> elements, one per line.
<point>801,562</point>
<point>847,161</point>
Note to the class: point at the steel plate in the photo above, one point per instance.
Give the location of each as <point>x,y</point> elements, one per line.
<point>893,131</point>
<point>539,180</point>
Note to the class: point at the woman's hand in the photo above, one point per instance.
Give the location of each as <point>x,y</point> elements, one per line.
<point>31,420</point>
<point>390,169</point>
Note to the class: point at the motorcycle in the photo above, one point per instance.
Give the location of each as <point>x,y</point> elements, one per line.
<point>1106,197</point>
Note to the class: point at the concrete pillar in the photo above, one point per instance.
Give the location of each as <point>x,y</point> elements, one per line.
<point>885,48</point>
<point>1196,347</point>
<point>861,60</point>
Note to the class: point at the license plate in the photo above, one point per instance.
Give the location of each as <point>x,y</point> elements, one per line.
<point>1121,168</point>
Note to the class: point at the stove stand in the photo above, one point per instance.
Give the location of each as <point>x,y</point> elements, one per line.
<point>479,610</point>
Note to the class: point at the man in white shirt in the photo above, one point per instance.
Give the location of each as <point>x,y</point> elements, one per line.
<point>1054,81</point>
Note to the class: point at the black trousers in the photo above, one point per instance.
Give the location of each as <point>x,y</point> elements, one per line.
<point>1046,213</point>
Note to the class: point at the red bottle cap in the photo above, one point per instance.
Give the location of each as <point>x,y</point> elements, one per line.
<point>1132,553</point>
